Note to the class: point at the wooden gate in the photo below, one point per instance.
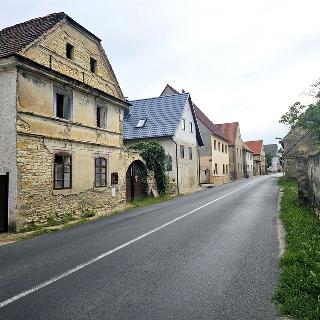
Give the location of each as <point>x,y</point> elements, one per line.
<point>134,176</point>
<point>4,195</point>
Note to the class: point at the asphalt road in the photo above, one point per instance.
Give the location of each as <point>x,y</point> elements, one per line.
<point>209,255</point>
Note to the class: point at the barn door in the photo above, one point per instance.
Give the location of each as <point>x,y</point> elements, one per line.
<point>4,195</point>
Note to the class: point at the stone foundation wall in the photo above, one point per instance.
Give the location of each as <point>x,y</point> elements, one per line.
<point>218,180</point>
<point>313,171</point>
<point>39,203</point>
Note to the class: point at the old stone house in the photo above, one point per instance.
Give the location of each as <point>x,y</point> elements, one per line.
<point>247,160</point>
<point>214,157</point>
<point>233,134</point>
<point>259,159</point>
<point>170,120</point>
<point>61,135</point>
<point>272,149</point>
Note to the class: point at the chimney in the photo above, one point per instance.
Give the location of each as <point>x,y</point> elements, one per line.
<point>183,91</point>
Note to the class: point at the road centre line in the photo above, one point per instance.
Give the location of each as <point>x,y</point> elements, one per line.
<point>105,254</point>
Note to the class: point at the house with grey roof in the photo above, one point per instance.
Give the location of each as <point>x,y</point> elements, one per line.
<point>214,157</point>
<point>276,156</point>
<point>172,122</point>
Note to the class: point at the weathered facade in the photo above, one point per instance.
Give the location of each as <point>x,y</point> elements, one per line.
<point>232,132</point>
<point>259,159</point>
<point>63,109</point>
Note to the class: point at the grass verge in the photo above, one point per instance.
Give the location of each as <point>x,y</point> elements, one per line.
<point>298,291</point>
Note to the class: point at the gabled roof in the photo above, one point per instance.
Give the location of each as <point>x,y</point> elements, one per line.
<point>15,38</point>
<point>229,130</point>
<point>247,147</point>
<point>208,123</point>
<point>255,146</point>
<point>271,148</point>
<point>163,115</point>
<point>199,114</point>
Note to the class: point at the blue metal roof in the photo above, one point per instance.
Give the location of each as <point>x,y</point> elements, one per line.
<point>162,114</point>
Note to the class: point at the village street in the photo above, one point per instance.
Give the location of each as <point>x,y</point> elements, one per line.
<point>208,255</point>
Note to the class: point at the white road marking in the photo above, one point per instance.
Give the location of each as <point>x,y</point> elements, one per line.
<point>105,254</point>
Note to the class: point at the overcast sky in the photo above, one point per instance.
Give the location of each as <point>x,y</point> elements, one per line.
<point>244,61</point>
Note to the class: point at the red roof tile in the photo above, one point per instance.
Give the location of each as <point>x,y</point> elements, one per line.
<point>229,130</point>
<point>255,146</point>
<point>247,147</point>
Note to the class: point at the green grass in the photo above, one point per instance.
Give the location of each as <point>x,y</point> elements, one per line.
<point>147,201</point>
<point>298,291</point>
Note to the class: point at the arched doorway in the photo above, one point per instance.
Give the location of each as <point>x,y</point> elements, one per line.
<point>136,181</point>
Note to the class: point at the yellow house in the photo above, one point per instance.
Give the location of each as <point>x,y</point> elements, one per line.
<point>62,144</point>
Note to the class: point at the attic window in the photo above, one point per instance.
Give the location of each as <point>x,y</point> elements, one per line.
<point>93,65</point>
<point>141,123</point>
<point>69,51</point>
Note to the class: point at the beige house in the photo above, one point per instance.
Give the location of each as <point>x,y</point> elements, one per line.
<point>233,134</point>
<point>259,159</point>
<point>62,144</point>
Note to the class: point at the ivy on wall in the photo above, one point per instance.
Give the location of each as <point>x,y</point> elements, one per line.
<point>153,153</point>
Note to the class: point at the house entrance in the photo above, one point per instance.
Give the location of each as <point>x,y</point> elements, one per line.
<point>4,195</point>
<point>136,181</point>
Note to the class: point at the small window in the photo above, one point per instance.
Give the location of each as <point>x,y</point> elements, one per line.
<point>101,117</point>
<point>190,153</point>
<point>215,145</point>
<point>169,163</point>
<point>114,178</point>
<point>190,127</point>
<point>63,106</point>
<point>223,169</point>
<point>141,123</point>
<point>69,51</point>
<point>218,146</point>
<point>216,168</point>
<point>226,148</point>
<point>93,65</point>
<point>100,172</point>
<point>183,124</point>
<point>222,147</point>
<point>62,171</point>
<point>182,151</point>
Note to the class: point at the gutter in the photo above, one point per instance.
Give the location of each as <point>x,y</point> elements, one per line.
<point>177,168</point>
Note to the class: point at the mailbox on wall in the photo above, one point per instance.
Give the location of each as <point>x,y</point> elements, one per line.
<point>114,178</point>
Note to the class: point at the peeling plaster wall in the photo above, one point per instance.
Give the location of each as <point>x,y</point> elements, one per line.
<point>8,135</point>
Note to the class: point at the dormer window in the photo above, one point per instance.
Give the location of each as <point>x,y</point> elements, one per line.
<point>141,123</point>
<point>93,65</point>
<point>69,51</point>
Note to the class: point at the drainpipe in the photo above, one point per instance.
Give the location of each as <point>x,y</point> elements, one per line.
<point>177,169</point>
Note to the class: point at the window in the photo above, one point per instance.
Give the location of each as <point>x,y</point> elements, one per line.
<point>215,145</point>
<point>227,169</point>
<point>190,153</point>
<point>102,117</point>
<point>223,169</point>
<point>182,151</point>
<point>141,123</point>
<point>222,147</point>
<point>215,168</point>
<point>63,105</point>
<point>183,124</point>
<point>226,148</point>
<point>69,51</point>
<point>100,172</point>
<point>93,65</point>
<point>190,127</point>
<point>169,163</point>
<point>218,146</point>
<point>62,171</point>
